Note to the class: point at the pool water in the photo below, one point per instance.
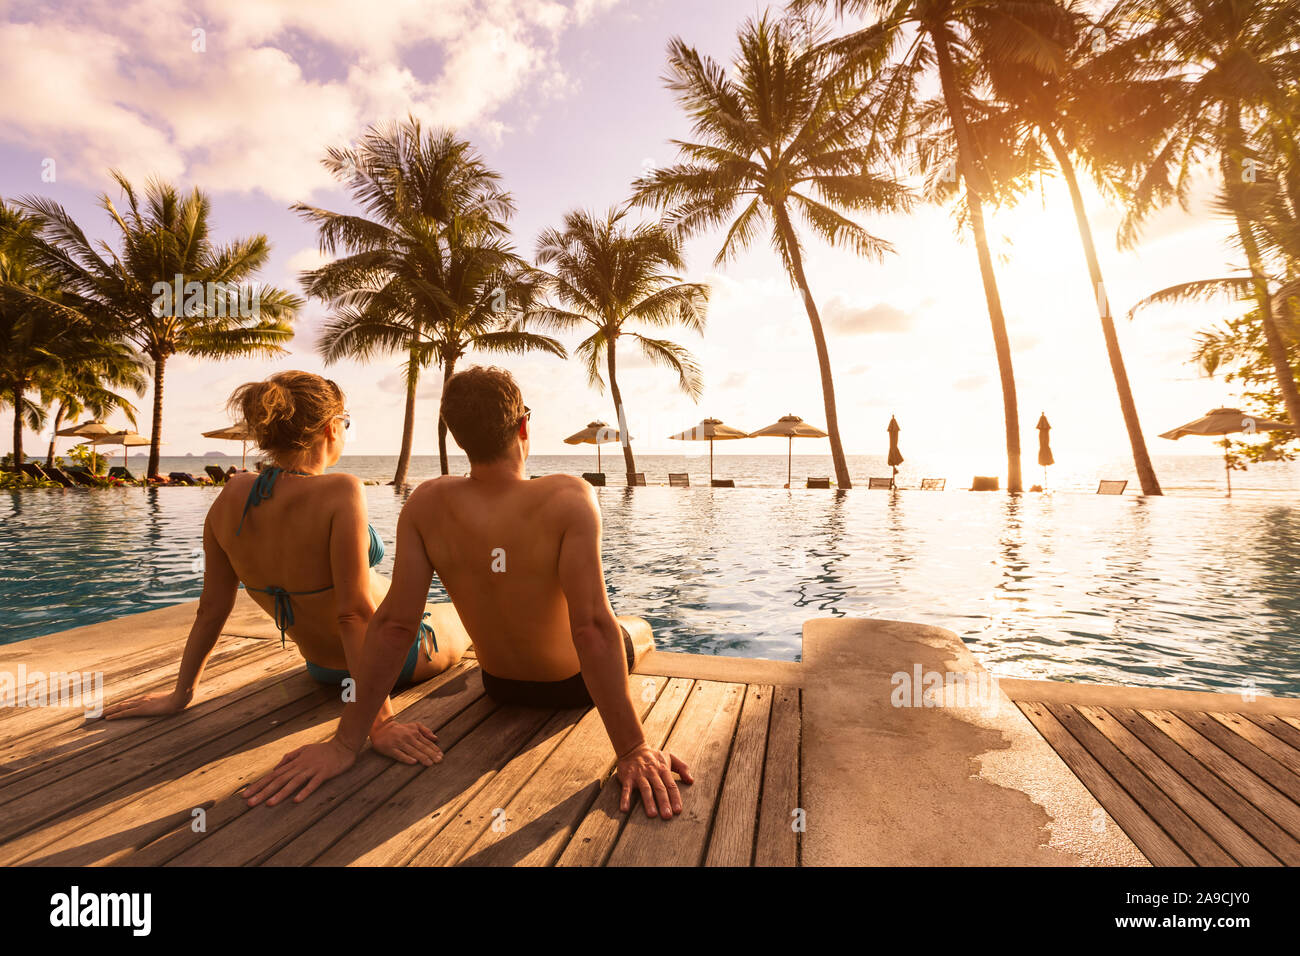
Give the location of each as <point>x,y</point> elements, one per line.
<point>1194,593</point>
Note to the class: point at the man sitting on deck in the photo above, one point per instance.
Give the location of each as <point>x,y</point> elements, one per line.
<point>521,562</point>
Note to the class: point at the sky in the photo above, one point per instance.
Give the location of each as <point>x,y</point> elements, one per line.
<point>567,102</point>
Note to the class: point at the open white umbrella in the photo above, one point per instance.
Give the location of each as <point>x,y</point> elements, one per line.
<point>791,427</point>
<point>710,430</point>
<point>596,433</point>
<point>239,432</point>
<point>126,439</point>
<point>1227,421</point>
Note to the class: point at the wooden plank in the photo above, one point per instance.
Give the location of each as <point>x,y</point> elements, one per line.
<point>734,827</point>
<point>486,807</point>
<point>147,808</point>
<point>1278,842</point>
<point>238,683</point>
<point>388,831</point>
<point>594,839</point>
<point>778,840</point>
<point>541,816</point>
<point>1236,775</point>
<point>1284,754</point>
<point>246,835</point>
<point>702,738</point>
<point>156,671</point>
<point>1243,848</point>
<point>1145,833</point>
<point>1278,727</point>
<point>1171,818</point>
<point>1264,766</point>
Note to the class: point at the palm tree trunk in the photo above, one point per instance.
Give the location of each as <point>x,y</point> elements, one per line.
<point>842,479</point>
<point>18,424</point>
<point>448,370</point>
<point>1141,457</point>
<point>155,437</point>
<point>619,415</point>
<point>58,421</point>
<point>408,425</point>
<point>1277,351</point>
<point>971,174</point>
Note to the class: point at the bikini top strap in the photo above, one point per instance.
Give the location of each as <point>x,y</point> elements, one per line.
<point>261,490</point>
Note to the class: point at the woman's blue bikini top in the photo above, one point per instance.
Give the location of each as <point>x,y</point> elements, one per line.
<point>283,606</point>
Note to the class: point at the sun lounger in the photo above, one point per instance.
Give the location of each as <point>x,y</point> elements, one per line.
<point>58,476</point>
<point>81,476</point>
<point>636,479</point>
<point>120,471</point>
<point>181,478</point>
<point>933,484</point>
<point>33,470</point>
<point>724,483</point>
<point>1108,486</point>
<point>676,480</point>
<point>596,478</point>
<point>880,483</point>
<point>984,483</point>
<point>819,482</point>
<point>216,474</point>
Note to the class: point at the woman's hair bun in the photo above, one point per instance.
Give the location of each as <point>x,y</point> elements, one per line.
<point>287,412</point>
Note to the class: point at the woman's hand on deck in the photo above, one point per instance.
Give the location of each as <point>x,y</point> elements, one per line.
<point>307,767</point>
<point>151,705</point>
<point>409,743</point>
<point>651,772</point>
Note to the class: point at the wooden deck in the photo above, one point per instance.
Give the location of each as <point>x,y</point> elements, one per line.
<point>518,785</point>
<point>795,764</point>
<point>1191,780</point>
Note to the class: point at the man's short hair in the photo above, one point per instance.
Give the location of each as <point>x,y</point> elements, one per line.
<point>482,407</point>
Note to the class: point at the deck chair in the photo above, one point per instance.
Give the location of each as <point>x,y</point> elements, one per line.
<point>33,470</point>
<point>121,471</point>
<point>885,483</point>
<point>58,475</point>
<point>636,479</point>
<point>596,478</point>
<point>984,483</point>
<point>676,480</point>
<point>1111,487</point>
<point>81,476</point>
<point>216,474</point>
<point>724,482</point>
<point>819,482</point>
<point>933,484</point>
<point>181,478</point>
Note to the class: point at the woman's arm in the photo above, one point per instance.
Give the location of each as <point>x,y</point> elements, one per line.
<point>220,584</point>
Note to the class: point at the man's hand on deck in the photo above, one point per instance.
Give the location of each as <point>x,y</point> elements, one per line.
<point>409,743</point>
<point>307,767</point>
<point>651,772</point>
<point>152,705</point>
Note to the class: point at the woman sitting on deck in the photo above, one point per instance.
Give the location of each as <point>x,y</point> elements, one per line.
<point>299,541</point>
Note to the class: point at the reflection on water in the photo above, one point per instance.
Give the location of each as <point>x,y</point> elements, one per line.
<point>1197,593</point>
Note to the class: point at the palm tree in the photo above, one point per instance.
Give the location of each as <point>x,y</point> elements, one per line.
<point>389,287</point>
<point>1236,61</point>
<point>87,385</point>
<point>165,246</point>
<point>784,136</point>
<point>608,276</point>
<point>1076,114</point>
<point>957,37</point>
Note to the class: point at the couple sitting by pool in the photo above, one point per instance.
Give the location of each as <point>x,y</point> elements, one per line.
<point>519,559</point>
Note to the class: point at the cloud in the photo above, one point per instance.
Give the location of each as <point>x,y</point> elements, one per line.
<point>851,320</point>
<point>252,101</point>
<point>970,383</point>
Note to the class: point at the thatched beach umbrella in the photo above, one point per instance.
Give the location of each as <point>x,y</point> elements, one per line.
<point>596,433</point>
<point>1045,445</point>
<point>239,432</point>
<point>1227,421</point>
<point>126,439</point>
<point>895,456</point>
<point>791,427</point>
<point>710,430</point>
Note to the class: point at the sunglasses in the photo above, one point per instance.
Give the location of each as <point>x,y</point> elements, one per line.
<point>528,412</point>
<point>347,421</point>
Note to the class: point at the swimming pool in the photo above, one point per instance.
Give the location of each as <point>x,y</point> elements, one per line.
<point>1194,593</point>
